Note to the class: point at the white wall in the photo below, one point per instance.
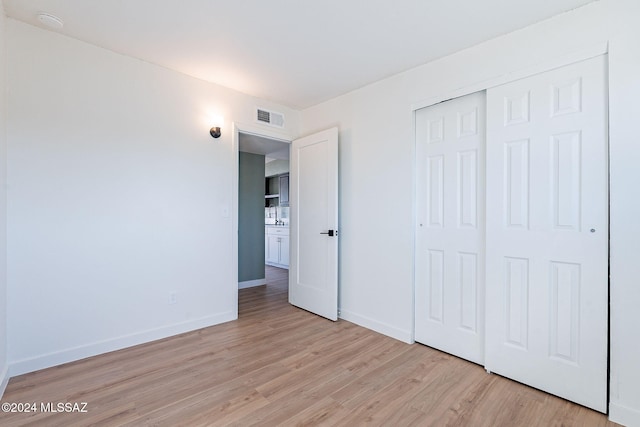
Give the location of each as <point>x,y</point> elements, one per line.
<point>624,87</point>
<point>4,374</point>
<point>116,199</point>
<point>376,159</point>
<point>376,171</point>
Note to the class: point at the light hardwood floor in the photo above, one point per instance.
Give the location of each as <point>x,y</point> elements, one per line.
<point>278,365</point>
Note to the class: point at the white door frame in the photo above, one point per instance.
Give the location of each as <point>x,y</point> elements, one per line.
<point>256,130</point>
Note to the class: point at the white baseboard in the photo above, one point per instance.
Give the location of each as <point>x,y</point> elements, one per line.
<point>623,415</point>
<point>81,352</point>
<point>252,283</point>
<point>383,328</point>
<point>4,380</point>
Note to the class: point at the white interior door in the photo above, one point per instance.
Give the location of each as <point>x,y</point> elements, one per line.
<point>547,232</point>
<point>313,271</point>
<point>450,226</point>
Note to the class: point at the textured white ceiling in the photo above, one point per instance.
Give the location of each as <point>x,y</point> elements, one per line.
<point>295,52</point>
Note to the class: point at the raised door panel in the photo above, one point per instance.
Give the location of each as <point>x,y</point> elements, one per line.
<point>516,184</point>
<point>467,168</point>
<point>468,282</point>
<point>516,298</point>
<point>435,198</point>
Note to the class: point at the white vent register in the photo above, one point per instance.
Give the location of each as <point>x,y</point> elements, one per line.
<point>270,118</point>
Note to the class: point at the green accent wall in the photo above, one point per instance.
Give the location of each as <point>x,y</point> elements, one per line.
<point>251,217</point>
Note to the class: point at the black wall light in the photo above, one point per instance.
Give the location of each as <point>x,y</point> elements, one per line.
<point>216,123</point>
<point>215,132</point>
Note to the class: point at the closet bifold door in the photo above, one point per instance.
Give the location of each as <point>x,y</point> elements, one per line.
<point>547,232</point>
<point>449,258</point>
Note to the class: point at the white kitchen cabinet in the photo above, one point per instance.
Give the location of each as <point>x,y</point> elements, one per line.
<point>277,246</point>
<point>273,249</point>
<point>284,250</point>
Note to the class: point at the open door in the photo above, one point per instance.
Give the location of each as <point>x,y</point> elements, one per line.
<point>313,192</point>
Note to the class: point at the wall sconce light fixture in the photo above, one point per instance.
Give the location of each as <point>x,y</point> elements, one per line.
<point>215,132</point>
<point>215,129</point>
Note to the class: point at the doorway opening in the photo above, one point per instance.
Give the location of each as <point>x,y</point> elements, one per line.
<point>263,210</point>
<point>313,254</point>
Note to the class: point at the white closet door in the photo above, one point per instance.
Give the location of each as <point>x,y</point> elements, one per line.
<point>450,226</point>
<point>547,232</point>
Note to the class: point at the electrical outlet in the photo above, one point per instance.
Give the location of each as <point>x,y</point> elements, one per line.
<point>173,298</point>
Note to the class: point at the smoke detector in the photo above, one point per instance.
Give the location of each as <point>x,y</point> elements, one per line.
<point>50,21</point>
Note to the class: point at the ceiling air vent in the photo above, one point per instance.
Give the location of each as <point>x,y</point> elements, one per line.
<point>270,118</point>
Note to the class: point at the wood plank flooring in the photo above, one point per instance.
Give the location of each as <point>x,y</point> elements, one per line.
<point>281,366</point>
